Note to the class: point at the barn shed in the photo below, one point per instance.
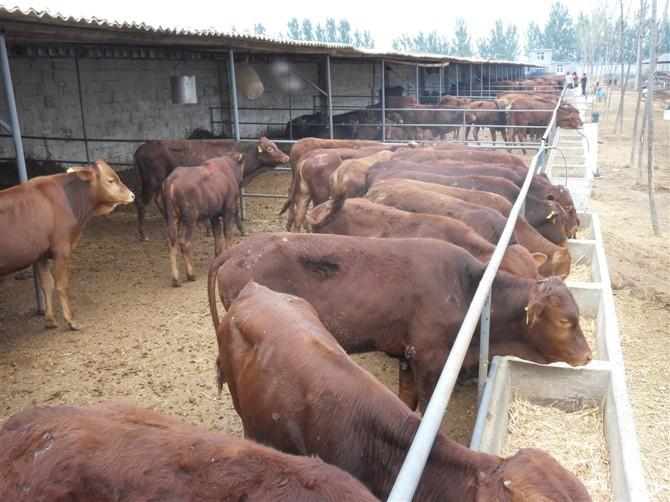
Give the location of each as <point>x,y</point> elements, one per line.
<point>88,88</point>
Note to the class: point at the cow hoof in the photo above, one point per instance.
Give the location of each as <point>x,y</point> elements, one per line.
<point>190,278</point>
<point>50,324</point>
<point>144,239</point>
<point>176,283</point>
<point>74,325</point>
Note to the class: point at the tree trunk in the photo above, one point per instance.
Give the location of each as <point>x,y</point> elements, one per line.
<point>638,87</point>
<point>618,127</point>
<point>650,121</point>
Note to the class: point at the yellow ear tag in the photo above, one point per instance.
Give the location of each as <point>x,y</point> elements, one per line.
<point>527,316</point>
<point>260,149</point>
<point>240,157</point>
<point>70,170</point>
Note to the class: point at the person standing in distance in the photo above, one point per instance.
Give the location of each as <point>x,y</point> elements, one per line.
<point>583,82</point>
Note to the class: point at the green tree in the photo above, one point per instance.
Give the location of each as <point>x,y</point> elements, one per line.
<point>259,29</point>
<point>502,43</point>
<point>358,39</point>
<point>344,29</point>
<point>422,42</point>
<point>534,37</point>
<point>368,41</point>
<point>307,32</point>
<point>559,33</point>
<point>294,31</point>
<point>461,44</point>
<point>320,33</point>
<point>331,30</point>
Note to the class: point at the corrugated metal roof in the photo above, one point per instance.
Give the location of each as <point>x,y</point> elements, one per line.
<point>31,26</point>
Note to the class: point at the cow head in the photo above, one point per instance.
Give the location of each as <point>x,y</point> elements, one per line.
<point>568,118</point>
<point>269,154</point>
<point>105,187</point>
<point>554,226</point>
<point>562,195</point>
<point>551,319</point>
<point>530,474</point>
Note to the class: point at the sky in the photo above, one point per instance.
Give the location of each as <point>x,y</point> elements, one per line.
<point>385,23</point>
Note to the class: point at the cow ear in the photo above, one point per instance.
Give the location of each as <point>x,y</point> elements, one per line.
<point>532,311</point>
<point>84,173</point>
<point>540,258</point>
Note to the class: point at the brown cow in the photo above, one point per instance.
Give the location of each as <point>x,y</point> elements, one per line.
<point>287,376</point>
<point>489,114</point>
<point>208,192</point>
<point>116,451</point>
<point>44,218</point>
<point>352,173</point>
<point>360,217</point>
<point>154,160</point>
<point>485,221</point>
<point>353,283</point>
<point>536,115</point>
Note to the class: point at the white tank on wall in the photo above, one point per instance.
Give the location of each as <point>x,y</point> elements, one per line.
<point>183,90</point>
<point>248,81</point>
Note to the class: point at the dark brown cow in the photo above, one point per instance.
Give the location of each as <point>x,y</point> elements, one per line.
<point>44,218</point>
<point>115,451</point>
<point>354,285</point>
<point>297,390</point>
<point>208,192</point>
<point>360,217</point>
<point>154,160</point>
<point>486,222</point>
<point>467,155</point>
<point>489,114</point>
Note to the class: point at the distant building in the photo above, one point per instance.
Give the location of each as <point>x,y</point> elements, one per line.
<point>544,59</point>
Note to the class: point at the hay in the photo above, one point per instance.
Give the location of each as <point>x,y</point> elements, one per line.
<point>580,271</point>
<point>588,325</point>
<point>574,438</point>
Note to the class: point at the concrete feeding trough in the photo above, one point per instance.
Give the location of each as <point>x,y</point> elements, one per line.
<point>601,384</point>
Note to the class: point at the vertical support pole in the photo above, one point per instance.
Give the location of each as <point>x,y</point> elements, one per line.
<point>441,72</point>
<point>18,146</point>
<point>416,84</point>
<point>81,106</point>
<point>290,107</point>
<point>470,89</point>
<point>485,327</point>
<point>330,99</point>
<point>383,100</point>
<point>236,115</point>
<point>481,80</point>
<point>488,74</point>
<point>457,94</point>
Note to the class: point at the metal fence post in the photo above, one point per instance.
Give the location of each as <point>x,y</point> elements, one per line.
<point>441,72</point>
<point>18,146</point>
<point>416,85</point>
<point>236,115</point>
<point>383,101</point>
<point>484,332</point>
<point>330,99</point>
<point>457,78</point>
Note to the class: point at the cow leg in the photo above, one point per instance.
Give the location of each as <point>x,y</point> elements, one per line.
<point>493,135</point>
<point>216,230</point>
<point>62,279</point>
<point>187,248</point>
<point>475,134</point>
<point>407,385</point>
<point>228,218</point>
<point>172,236</point>
<point>300,213</point>
<point>47,282</point>
<point>238,218</point>
<point>141,214</point>
<point>467,132</point>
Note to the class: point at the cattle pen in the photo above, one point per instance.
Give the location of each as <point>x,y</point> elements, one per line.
<point>60,62</point>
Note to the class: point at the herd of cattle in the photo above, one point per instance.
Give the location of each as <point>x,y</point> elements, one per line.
<point>399,238</point>
<point>517,116</point>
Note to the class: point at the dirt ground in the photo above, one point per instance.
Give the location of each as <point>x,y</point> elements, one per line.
<point>639,264</point>
<point>146,342</point>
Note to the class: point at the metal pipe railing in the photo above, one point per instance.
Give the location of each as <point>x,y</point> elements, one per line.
<point>422,444</point>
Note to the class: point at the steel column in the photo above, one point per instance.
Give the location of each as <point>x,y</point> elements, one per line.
<point>330,99</point>
<point>383,101</point>
<point>441,72</point>
<point>18,146</point>
<point>470,90</point>
<point>481,80</point>
<point>457,94</point>
<point>236,115</point>
<point>81,107</point>
<point>488,74</point>
<point>416,85</point>
<point>484,331</point>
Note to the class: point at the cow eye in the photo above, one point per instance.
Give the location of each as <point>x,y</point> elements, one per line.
<point>566,322</point>
<point>269,149</point>
<point>111,180</point>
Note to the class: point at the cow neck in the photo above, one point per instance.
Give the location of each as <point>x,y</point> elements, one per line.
<point>510,295</point>
<point>451,472</point>
<point>78,195</point>
<point>250,162</point>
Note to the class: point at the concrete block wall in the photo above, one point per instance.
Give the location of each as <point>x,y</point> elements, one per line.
<point>123,99</point>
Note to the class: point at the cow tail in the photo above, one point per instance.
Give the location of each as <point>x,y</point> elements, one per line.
<point>292,190</point>
<point>169,213</point>
<point>336,205</point>
<point>212,277</point>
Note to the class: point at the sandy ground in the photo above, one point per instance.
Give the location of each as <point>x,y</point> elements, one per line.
<point>639,264</point>
<point>145,342</point>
